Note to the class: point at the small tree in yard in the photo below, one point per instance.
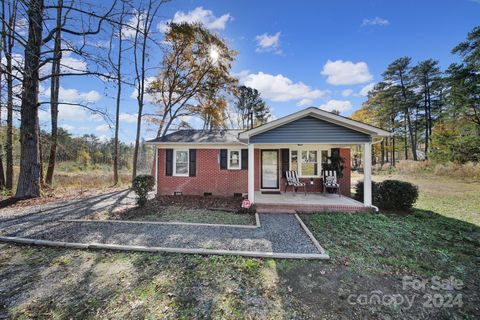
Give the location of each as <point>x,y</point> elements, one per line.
<point>142,185</point>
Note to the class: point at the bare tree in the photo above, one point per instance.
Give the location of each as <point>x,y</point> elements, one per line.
<point>118,73</point>
<point>143,27</point>
<point>29,178</point>
<point>54,93</point>
<point>9,34</point>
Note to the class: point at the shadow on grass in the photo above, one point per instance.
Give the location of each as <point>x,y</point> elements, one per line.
<point>64,284</point>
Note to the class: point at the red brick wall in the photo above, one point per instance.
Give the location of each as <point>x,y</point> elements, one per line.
<point>209,177</point>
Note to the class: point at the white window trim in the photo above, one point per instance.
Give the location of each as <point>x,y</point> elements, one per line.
<point>239,159</point>
<point>175,163</point>
<point>299,157</point>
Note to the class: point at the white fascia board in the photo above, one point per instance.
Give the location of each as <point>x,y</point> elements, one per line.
<point>322,115</point>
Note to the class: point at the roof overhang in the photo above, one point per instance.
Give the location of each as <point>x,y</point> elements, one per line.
<point>322,115</point>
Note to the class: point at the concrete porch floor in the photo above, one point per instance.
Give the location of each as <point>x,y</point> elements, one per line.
<point>311,202</point>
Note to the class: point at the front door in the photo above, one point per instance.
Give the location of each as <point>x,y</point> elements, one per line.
<point>269,169</point>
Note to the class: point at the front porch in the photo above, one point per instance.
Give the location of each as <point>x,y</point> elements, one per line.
<point>311,202</point>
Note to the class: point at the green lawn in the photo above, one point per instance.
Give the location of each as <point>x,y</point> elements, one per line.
<point>178,214</point>
<point>369,253</point>
<point>454,198</point>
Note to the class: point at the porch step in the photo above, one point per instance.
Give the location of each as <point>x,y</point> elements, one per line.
<point>272,209</point>
<point>293,208</point>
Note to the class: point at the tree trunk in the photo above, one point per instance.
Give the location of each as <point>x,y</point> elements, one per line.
<point>393,151</point>
<point>425,105</point>
<point>54,93</point>
<point>405,138</point>
<point>2,176</point>
<point>29,178</point>
<point>412,138</point>
<point>8,43</point>
<point>119,93</point>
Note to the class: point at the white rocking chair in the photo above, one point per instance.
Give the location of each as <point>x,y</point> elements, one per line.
<point>292,180</point>
<point>330,181</point>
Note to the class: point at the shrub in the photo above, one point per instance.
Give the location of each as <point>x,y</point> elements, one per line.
<point>390,194</point>
<point>397,195</point>
<point>142,185</point>
<point>359,191</point>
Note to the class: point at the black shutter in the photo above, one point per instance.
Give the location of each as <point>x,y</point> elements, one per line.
<point>244,159</point>
<point>335,153</point>
<point>192,164</point>
<point>169,162</point>
<point>223,159</point>
<point>285,161</point>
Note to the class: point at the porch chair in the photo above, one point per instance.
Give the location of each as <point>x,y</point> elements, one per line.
<point>330,181</point>
<point>292,180</point>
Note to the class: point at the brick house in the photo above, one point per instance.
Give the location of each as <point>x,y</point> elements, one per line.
<point>254,162</point>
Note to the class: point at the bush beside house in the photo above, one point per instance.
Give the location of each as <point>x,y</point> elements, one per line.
<point>390,194</point>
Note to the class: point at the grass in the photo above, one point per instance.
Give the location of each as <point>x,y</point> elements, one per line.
<point>136,285</point>
<point>451,197</point>
<point>393,244</point>
<point>178,214</point>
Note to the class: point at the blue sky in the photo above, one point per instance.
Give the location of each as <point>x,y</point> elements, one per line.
<point>296,53</point>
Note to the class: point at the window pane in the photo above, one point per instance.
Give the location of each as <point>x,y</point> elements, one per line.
<point>294,161</point>
<point>312,156</point>
<point>324,156</point>
<point>234,159</point>
<point>182,157</point>
<point>181,162</point>
<point>309,169</point>
<point>182,168</point>
<point>304,156</point>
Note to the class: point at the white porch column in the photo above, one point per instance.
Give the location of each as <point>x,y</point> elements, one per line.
<point>251,173</point>
<point>367,174</point>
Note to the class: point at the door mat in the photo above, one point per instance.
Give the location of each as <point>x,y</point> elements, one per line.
<point>271,192</point>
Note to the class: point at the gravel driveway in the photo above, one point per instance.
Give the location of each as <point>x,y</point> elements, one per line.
<point>279,233</point>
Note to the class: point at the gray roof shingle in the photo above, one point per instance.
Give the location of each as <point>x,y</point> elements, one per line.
<point>200,136</point>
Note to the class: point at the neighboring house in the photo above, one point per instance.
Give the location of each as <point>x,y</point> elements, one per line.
<point>252,162</point>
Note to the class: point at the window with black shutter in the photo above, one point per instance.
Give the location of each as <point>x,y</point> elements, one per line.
<point>285,161</point>
<point>192,164</point>
<point>168,162</point>
<point>223,159</point>
<point>244,159</point>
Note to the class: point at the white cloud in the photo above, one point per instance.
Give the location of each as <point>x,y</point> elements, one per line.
<point>103,128</point>
<point>347,92</point>
<point>67,127</point>
<point>279,88</point>
<point>138,18</point>
<point>268,43</point>
<point>365,90</point>
<point>341,72</point>
<point>128,118</point>
<point>377,21</point>
<point>21,26</point>
<point>148,98</point>
<point>338,105</point>
<point>71,64</point>
<point>68,64</point>
<point>17,64</point>
<point>75,96</point>
<point>305,102</point>
<point>198,15</point>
